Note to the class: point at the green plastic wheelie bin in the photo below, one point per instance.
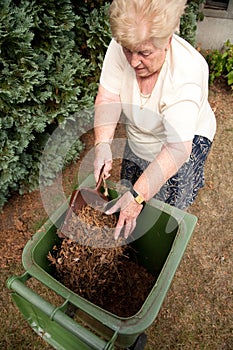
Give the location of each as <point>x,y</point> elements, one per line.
<point>163,232</point>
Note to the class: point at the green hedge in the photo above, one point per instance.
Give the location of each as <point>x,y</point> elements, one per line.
<point>188,23</point>
<point>50,58</point>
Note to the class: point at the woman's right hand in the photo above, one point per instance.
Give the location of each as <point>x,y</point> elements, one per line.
<point>103,157</point>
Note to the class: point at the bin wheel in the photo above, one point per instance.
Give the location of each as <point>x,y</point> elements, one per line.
<point>140,343</point>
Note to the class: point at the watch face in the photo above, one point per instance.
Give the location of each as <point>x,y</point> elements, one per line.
<point>139,199</point>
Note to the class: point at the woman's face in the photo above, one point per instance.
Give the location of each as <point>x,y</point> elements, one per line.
<point>146,59</point>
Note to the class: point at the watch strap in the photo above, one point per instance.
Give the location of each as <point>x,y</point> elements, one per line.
<point>137,197</point>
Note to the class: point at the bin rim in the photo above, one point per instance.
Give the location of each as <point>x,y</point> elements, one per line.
<point>140,321</point>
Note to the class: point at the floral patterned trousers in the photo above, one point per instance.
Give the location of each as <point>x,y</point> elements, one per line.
<point>182,188</point>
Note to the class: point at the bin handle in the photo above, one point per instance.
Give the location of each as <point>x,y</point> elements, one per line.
<point>17,284</point>
<point>110,344</point>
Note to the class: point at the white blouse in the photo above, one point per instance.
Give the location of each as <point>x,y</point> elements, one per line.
<point>178,107</point>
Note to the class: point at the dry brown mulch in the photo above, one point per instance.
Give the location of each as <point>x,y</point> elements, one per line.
<point>105,274</point>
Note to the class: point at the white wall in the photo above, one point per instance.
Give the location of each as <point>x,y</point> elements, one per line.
<point>212,33</point>
<point>216,28</point>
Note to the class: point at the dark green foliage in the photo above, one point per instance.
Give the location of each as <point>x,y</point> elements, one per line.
<point>95,34</point>
<point>48,72</point>
<point>188,23</point>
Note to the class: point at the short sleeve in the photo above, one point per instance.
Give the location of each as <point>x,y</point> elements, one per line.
<point>113,67</point>
<point>180,113</point>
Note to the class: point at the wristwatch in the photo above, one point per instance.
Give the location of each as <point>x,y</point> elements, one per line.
<point>137,197</point>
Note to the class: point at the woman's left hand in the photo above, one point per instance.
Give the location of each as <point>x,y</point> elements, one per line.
<point>129,211</point>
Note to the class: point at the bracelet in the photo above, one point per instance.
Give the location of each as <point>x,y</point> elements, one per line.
<point>99,143</point>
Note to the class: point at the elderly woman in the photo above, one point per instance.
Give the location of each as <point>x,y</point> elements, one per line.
<point>160,83</point>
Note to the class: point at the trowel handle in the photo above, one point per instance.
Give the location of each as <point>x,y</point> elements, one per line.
<point>101,179</point>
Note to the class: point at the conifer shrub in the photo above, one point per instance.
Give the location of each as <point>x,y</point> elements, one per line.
<point>48,73</point>
<point>188,23</point>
